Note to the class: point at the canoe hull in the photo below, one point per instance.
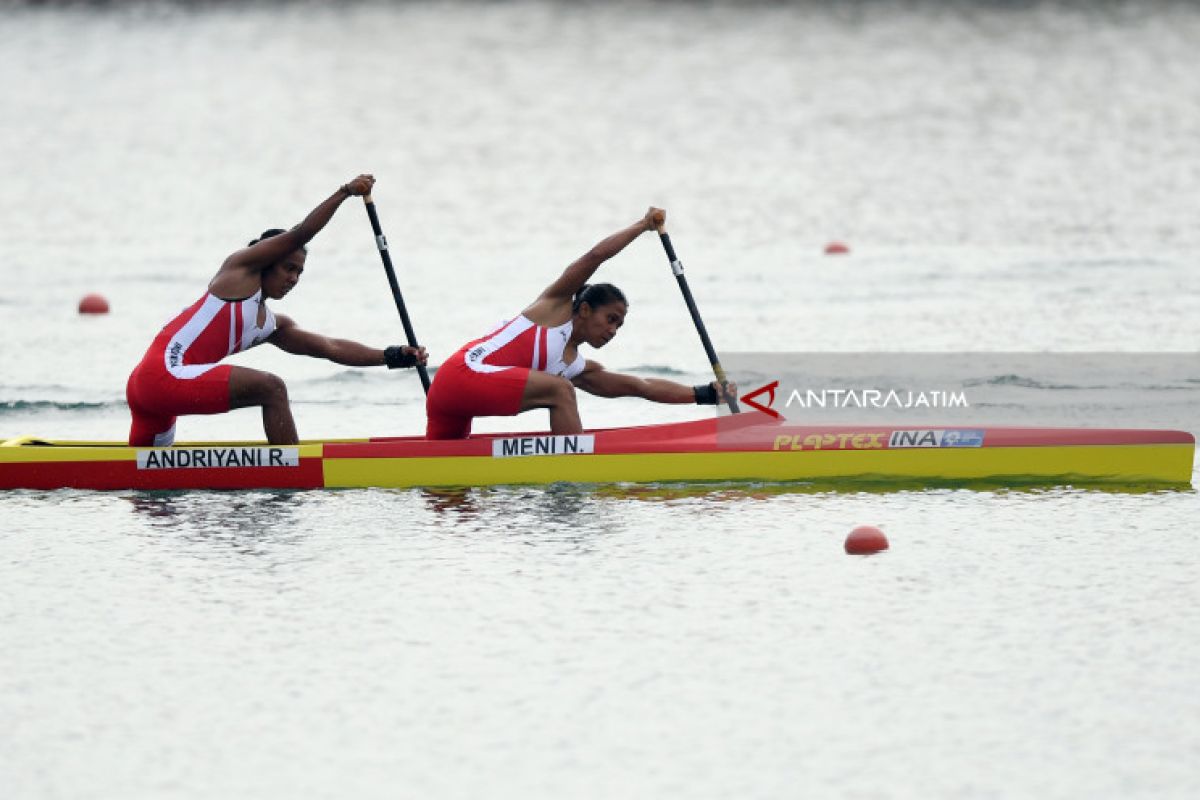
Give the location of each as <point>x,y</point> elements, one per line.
<point>744,448</point>
<point>1119,464</point>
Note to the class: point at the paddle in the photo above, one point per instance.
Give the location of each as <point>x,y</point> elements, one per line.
<point>381,243</point>
<point>677,268</point>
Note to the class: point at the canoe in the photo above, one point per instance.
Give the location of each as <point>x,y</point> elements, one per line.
<point>746,447</point>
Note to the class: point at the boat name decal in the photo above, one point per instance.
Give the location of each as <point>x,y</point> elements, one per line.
<point>952,437</point>
<point>853,440</point>
<point>218,457</point>
<point>544,446</point>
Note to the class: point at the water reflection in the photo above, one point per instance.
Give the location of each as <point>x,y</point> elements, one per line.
<point>537,515</point>
<point>248,523</point>
<point>742,491</point>
<point>720,493</point>
<point>558,503</point>
<point>453,502</point>
<point>540,514</point>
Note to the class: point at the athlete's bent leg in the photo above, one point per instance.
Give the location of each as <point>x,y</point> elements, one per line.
<point>151,431</point>
<point>147,428</point>
<point>252,387</point>
<point>442,426</point>
<point>557,394</point>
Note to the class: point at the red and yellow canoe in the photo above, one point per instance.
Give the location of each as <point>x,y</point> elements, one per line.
<point>747,447</point>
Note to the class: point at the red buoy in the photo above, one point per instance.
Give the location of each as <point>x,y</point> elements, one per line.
<point>93,304</point>
<point>864,540</point>
<point>836,249</point>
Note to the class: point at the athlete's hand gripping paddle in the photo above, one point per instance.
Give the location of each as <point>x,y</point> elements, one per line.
<point>381,243</point>
<point>677,268</point>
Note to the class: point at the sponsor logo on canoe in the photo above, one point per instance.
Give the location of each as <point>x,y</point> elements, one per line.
<point>218,457</point>
<point>873,440</point>
<point>544,446</point>
<point>950,437</point>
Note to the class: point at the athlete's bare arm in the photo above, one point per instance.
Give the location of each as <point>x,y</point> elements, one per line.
<point>553,306</point>
<point>595,379</point>
<point>239,276</point>
<point>295,340</point>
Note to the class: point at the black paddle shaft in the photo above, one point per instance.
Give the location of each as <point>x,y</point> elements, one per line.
<point>381,243</point>
<point>677,268</point>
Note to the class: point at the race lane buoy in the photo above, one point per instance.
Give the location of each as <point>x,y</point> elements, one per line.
<point>836,249</point>
<point>93,304</point>
<point>864,540</point>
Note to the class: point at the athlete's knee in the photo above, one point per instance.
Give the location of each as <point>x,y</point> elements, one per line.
<point>255,388</point>
<point>563,392</point>
<point>274,388</point>
<point>268,390</point>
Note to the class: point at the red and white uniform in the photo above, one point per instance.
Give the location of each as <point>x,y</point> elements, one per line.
<point>487,376</point>
<point>180,373</point>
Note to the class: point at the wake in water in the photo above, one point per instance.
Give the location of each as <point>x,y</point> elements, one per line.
<point>25,406</point>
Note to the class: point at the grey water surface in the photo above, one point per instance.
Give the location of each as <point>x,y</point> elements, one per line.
<point>1009,177</point>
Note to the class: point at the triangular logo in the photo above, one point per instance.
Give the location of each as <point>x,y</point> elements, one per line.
<point>768,389</point>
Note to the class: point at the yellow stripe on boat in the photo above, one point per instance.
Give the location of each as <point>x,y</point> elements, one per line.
<point>1158,463</point>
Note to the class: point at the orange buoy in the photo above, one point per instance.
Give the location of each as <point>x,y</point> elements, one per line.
<point>836,249</point>
<point>864,540</point>
<point>93,304</point>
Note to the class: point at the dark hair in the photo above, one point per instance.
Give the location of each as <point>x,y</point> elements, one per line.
<point>268,233</point>
<point>596,295</point>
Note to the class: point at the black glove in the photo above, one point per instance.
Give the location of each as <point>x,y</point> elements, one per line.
<point>398,357</point>
<point>706,394</point>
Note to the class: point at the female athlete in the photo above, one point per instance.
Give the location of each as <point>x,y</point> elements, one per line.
<point>533,360</point>
<point>181,374</point>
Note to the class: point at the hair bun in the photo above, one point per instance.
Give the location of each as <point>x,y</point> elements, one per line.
<point>596,295</point>
<point>267,234</point>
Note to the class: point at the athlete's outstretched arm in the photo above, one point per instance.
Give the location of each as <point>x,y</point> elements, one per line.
<point>595,379</point>
<point>263,254</point>
<point>581,270</point>
<point>295,340</point>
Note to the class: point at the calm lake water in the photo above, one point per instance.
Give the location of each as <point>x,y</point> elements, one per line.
<point>1009,177</point>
